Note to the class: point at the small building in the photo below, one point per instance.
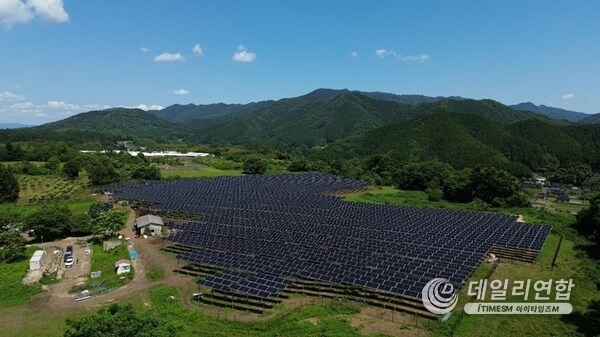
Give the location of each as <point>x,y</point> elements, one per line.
<point>148,224</point>
<point>122,266</point>
<point>37,260</point>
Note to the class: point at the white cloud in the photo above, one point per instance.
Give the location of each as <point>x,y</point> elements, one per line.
<point>9,96</point>
<point>14,11</point>
<point>145,107</point>
<point>243,55</point>
<point>180,92</point>
<point>49,10</point>
<point>197,50</point>
<point>23,106</point>
<point>381,53</point>
<point>568,96</point>
<point>62,105</point>
<point>353,54</point>
<point>415,58</point>
<point>144,50</point>
<point>17,109</point>
<point>20,11</point>
<point>168,57</point>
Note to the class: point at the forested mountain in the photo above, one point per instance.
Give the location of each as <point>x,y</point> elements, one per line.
<point>551,112</point>
<point>591,119</point>
<point>183,113</point>
<point>327,124</point>
<point>120,121</point>
<point>209,114</point>
<point>310,120</point>
<point>456,138</point>
<point>325,116</point>
<point>466,139</point>
<point>12,125</point>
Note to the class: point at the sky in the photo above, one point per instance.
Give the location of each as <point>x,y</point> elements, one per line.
<point>59,58</point>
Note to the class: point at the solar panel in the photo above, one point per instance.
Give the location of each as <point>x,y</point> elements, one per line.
<point>275,227</point>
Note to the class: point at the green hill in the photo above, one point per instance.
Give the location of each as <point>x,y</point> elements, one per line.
<point>183,113</point>
<point>551,112</point>
<point>458,139</point>
<point>120,121</point>
<point>310,120</point>
<point>325,116</point>
<point>591,119</point>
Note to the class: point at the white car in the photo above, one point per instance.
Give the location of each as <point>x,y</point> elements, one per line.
<point>69,262</point>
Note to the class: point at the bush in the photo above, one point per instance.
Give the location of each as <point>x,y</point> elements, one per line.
<point>434,194</point>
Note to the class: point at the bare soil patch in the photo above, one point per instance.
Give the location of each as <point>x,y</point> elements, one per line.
<point>373,320</point>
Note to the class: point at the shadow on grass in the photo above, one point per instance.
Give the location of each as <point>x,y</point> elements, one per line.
<point>587,323</point>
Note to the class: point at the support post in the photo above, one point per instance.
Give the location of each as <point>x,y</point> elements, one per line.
<point>556,253</point>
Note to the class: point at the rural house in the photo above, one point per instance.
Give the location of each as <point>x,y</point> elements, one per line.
<point>148,224</point>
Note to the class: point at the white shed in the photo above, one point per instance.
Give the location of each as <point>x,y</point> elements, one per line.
<point>123,266</point>
<point>37,260</point>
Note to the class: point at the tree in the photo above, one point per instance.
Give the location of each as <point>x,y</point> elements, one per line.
<point>297,165</point>
<point>51,221</point>
<point>457,187</point>
<point>12,245</point>
<point>588,221</point>
<point>110,222</point>
<point>146,172</point>
<point>52,165</point>
<point>254,165</point>
<point>9,186</point>
<point>419,176</point>
<point>96,209</point>
<point>497,187</point>
<point>383,167</point>
<point>71,168</point>
<point>81,224</point>
<point>102,172</point>
<point>122,321</point>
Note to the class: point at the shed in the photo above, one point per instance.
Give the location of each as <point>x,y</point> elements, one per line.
<point>149,223</point>
<point>123,266</point>
<point>37,260</point>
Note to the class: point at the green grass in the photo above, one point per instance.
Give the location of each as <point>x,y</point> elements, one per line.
<point>309,320</point>
<point>155,273</point>
<point>568,266</point>
<point>105,263</point>
<point>12,291</point>
<point>80,204</point>
<point>195,171</point>
<point>392,196</point>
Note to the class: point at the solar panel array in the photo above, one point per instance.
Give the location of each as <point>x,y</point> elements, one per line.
<point>259,285</point>
<point>287,227</point>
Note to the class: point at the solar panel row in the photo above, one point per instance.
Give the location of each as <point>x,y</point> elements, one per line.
<point>285,225</point>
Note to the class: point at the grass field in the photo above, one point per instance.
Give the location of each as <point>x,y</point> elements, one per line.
<point>311,320</point>
<point>195,171</point>
<point>12,291</point>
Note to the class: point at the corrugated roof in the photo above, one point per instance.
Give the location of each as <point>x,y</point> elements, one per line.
<point>148,219</point>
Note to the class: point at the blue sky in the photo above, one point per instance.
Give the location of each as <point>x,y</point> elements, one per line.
<point>59,57</point>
